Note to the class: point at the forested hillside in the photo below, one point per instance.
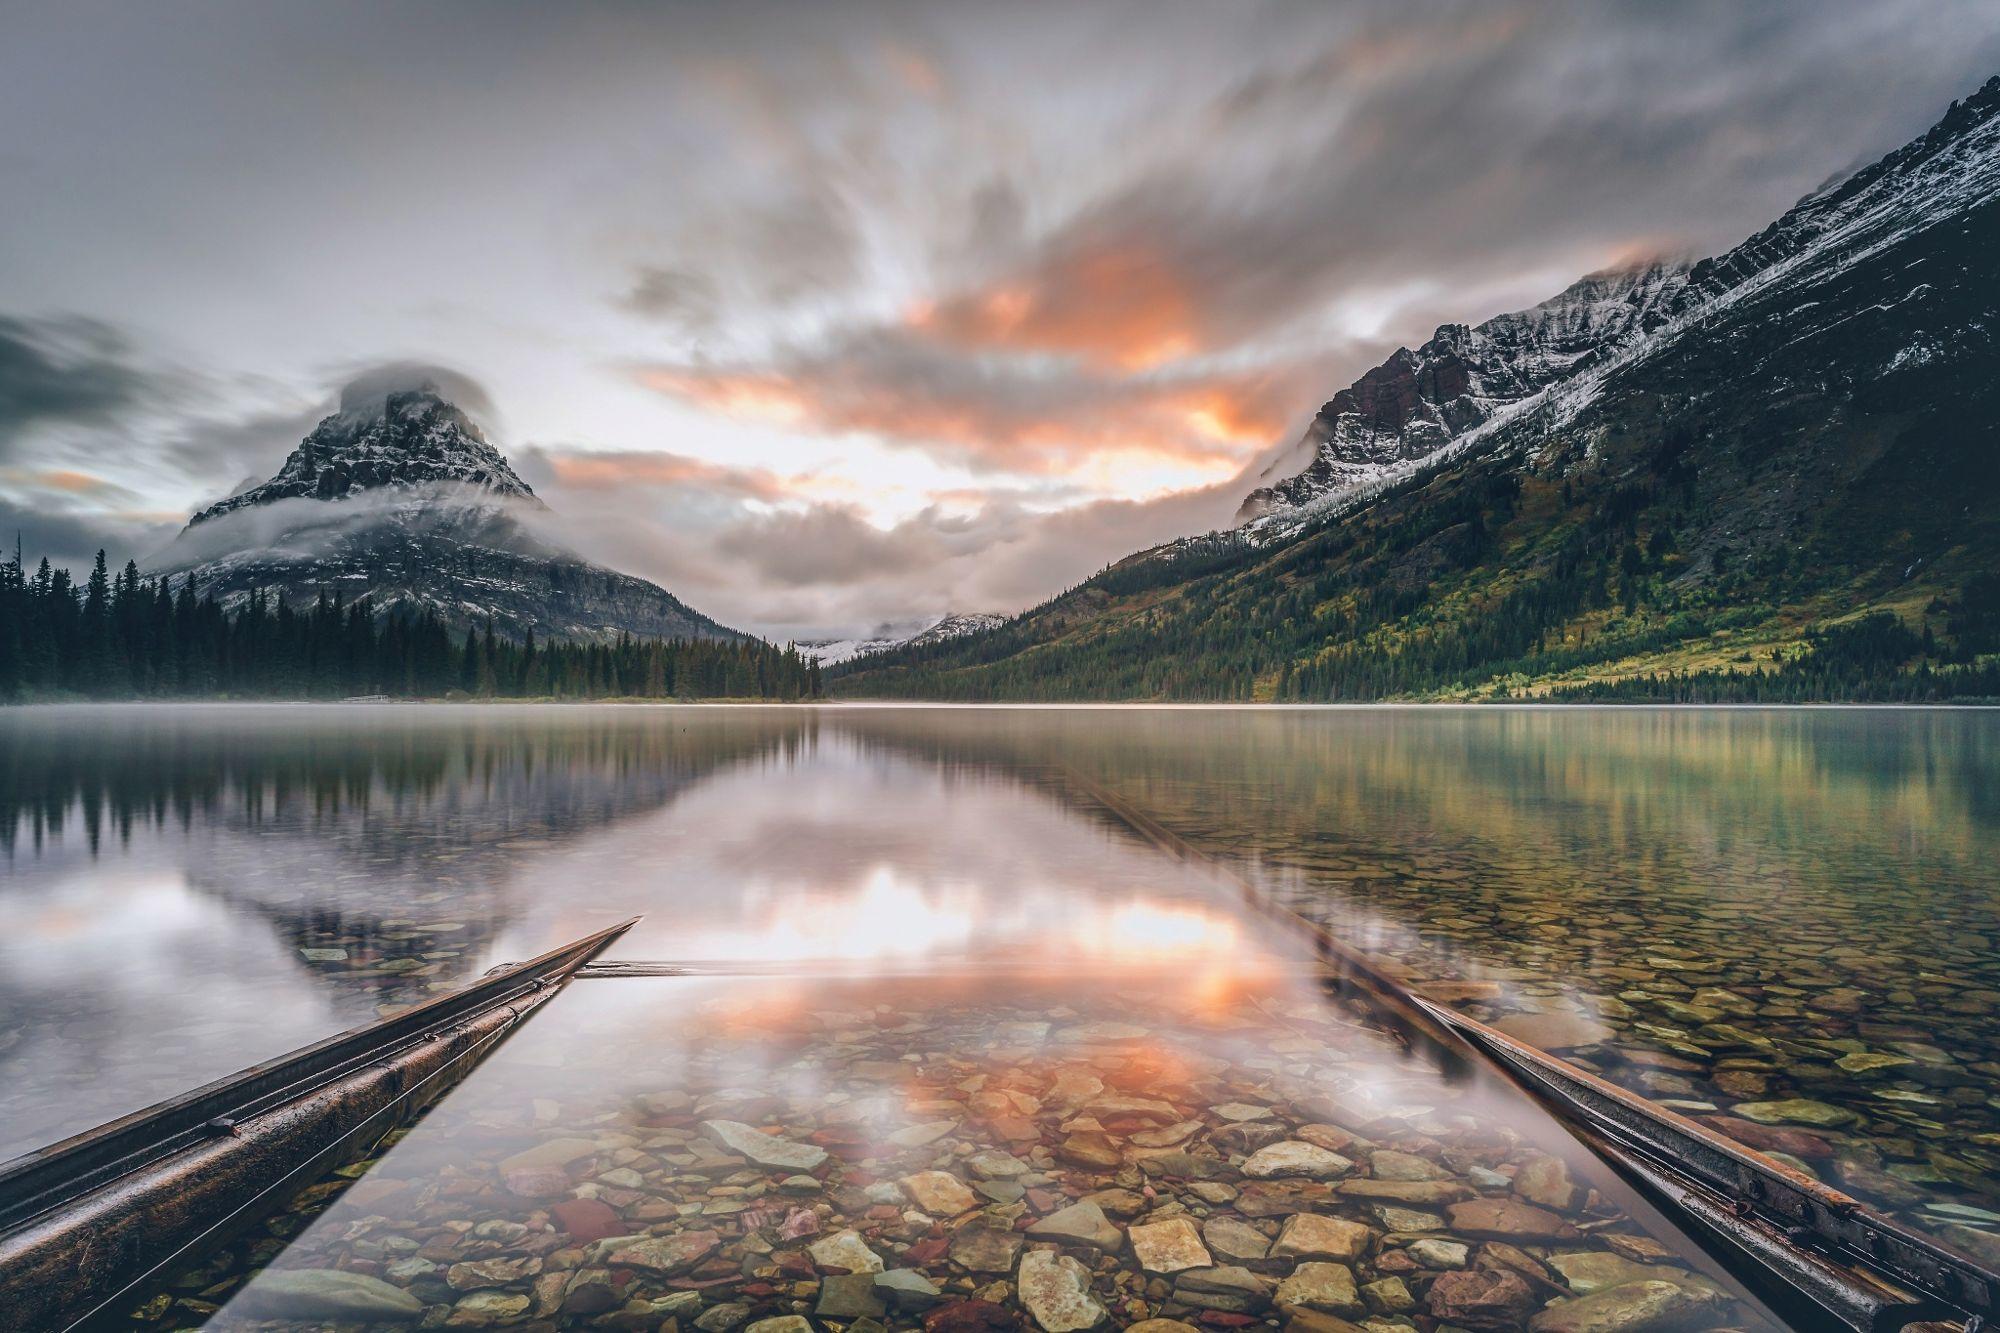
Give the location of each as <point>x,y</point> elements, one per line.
<point>123,637</point>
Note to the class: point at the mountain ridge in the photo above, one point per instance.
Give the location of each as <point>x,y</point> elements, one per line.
<point>1671,292</point>
<point>1802,439</point>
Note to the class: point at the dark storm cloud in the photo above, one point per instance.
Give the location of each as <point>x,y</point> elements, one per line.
<point>55,371</point>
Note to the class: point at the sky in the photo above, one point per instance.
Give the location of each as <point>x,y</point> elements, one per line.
<point>828,315</point>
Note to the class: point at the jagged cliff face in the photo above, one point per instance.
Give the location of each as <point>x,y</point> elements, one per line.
<point>403,440</point>
<point>401,504</point>
<point>1416,402</point>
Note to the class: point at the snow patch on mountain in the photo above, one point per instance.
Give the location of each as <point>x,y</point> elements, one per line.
<point>832,652</point>
<point>400,440</point>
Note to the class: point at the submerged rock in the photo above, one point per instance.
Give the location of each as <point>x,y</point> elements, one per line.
<point>1556,1031</point>
<point>939,1193</point>
<point>763,1149</point>
<point>1056,1290</point>
<point>1293,1157</point>
<point>1318,1285</point>
<point>1081,1223</point>
<point>1486,1302</point>
<point>1316,1236</point>
<point>845,1250</point>
<point>1650,1306</point>
<point>1169,1246</point>
<point>1795,1111</point>
<point>319,1293</point>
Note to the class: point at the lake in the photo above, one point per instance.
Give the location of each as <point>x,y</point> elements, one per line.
<point>1785,922</point>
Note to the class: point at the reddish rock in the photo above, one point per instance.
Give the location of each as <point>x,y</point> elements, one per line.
<point>1486,1302</point>
<point>587,1220</point>
<point>1505,1219</point>
<point>927,1251</point>
<point>537,1182</point>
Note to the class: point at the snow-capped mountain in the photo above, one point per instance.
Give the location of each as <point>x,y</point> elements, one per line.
<point>832,652</point>
<point>1416,402</point>
<point>398,501</point>
<point>1465,385</point>
<point>401,441</point>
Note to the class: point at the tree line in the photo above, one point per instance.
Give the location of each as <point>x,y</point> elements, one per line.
<point>122,636</point>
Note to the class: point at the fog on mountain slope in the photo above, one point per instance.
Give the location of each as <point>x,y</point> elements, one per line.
<point>397,501</point>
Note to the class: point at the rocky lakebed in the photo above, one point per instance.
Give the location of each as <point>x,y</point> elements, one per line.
<point>966,1153</point>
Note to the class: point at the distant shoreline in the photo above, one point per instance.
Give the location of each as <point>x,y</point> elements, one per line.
<point>1129,705</point>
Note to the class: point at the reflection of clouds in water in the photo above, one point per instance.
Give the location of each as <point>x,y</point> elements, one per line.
<point>882,915</point>
<point>119,989</point>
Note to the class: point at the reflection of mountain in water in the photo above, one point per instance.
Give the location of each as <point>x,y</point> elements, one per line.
<point>388,857</point>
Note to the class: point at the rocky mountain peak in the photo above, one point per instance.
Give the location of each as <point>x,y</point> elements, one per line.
<point>1418,400</point>
<point>401,438</point>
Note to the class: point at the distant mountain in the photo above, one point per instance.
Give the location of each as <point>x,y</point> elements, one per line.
<point>1773,474</point>
<point>834,652</point>
<point>400,502</point>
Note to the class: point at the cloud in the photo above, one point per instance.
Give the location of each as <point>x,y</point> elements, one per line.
<point>999,414</point>
<point>673,296</point>
<point>615,470</point>
<point>1120,250</point>
<point>73,371</point>
<point>819,569</point>
<point>367,387</point>
<point>71,537</point>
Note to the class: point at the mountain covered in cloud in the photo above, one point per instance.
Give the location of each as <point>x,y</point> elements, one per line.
<point>1778,464</point>
<point>405,440</point>
<point>397,501</point>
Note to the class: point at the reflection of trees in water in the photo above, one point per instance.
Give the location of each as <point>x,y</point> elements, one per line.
<point>100,773</point>
<point>1872,787</point>
<point>385,847</point>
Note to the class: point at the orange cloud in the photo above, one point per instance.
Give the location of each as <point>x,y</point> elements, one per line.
<point>1196,427</point>
<point>1115,306</point>
<point>610,471</point>
<point>66,482</point>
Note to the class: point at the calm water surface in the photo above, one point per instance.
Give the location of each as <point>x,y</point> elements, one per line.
<point>1786,921</point>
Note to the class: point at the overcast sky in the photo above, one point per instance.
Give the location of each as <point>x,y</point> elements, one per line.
<point>828,314</point>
